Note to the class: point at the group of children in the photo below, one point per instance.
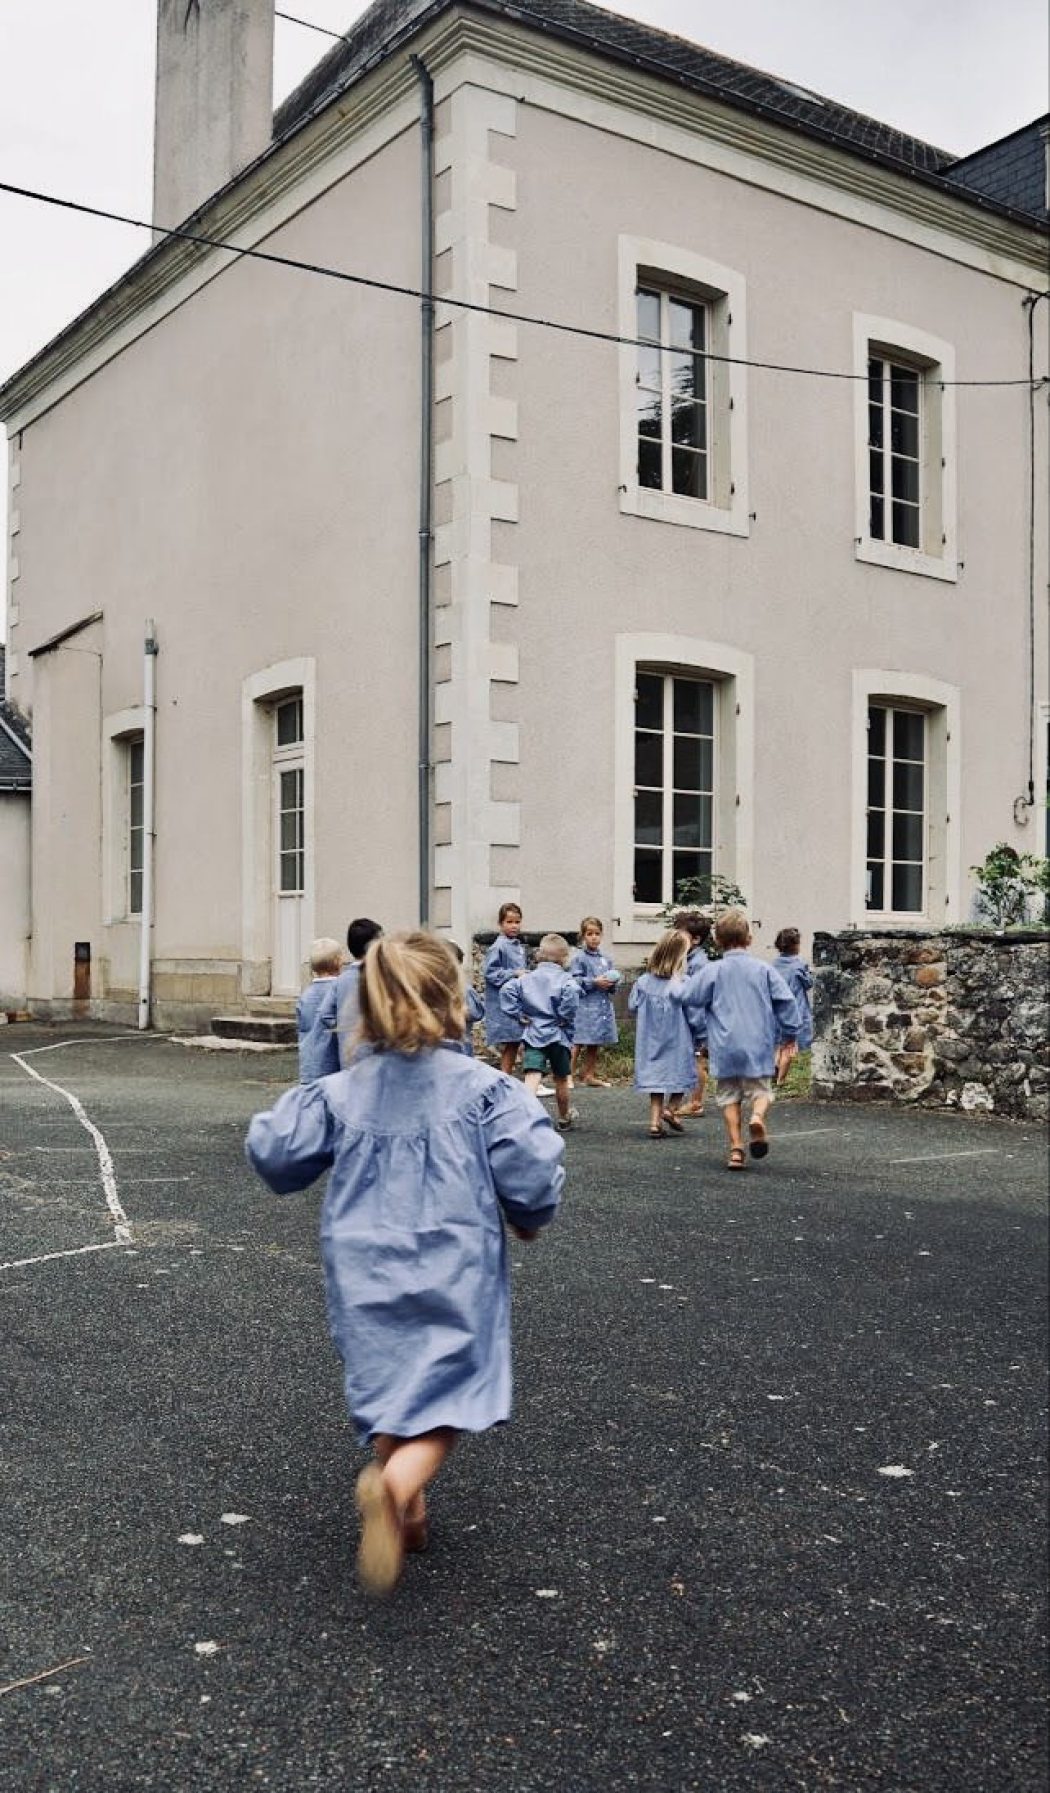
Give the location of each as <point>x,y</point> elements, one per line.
<point>433,1152</point>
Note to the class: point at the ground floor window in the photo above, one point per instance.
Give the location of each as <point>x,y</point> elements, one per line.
<point>674,783</point>
<point>897,805</point>
<point>136,785</point>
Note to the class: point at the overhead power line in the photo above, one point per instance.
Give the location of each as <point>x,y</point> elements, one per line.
<point>412,292</point>
<point>339,36</point>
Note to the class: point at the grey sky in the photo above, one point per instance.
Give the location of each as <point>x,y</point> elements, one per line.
<point>76,97</point>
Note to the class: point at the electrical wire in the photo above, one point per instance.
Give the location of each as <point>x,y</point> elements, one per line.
<point>340,36</point>
<point>412,292</point>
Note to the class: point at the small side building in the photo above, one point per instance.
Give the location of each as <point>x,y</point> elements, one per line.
<point>16,784</point>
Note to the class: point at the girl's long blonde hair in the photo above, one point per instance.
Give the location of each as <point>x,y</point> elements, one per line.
<point>669,954</point>
<point>411,993</point>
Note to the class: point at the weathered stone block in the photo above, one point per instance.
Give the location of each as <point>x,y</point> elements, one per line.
<point>925,975</point>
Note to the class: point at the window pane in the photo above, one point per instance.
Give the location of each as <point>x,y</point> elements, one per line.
<point>290,789</point>
<point>693,763</point>
<point>289,830</point>
<point>289,871</point>
<point>877,520</point>
<point>648,313</point>
<point>909,735</point>
<point>650,371</point>
<point>690,865</point>
<point>694,707</point>
<point>648,701</point>
<point>876,471</point>
<point>907,887</point>
<point>876,783</point>
<point>876,833</point>
<point>908,783</point>
<point>689,424</point>
<point>904,389</point>
<point>907,837</point>
<point>906,524</point>
<point>905,479</point>
<point>876,887</point>
<point>290,722</point>
<point>136,762</point>
<point>687,324</point>
<point>688,822</point>
<point>135,893</point>
<point>875,426</point>
<point>135,806</point>
<point>650,465</point>
<point>684,382</point>
<point>876,730</point>
<point>648,818</point>
<point>688,473</point>
<point>648,877</point>
<point>650,413</point>
<point>649,759</point>
<point>904,433</point>
<point>875,380</point>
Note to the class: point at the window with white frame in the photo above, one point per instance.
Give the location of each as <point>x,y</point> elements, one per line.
<point>673,411</point>
<point>290,794</point>
<point>905,438</point>
<point>897,810</point>
<point>134,759</point>
<point>895,451</point>
<point>674,783</point>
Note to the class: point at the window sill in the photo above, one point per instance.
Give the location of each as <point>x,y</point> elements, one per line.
<point>693,513</point>
<point>899,918</point>
<point>907,560</point>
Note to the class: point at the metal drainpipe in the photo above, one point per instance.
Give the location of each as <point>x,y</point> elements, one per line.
<point>426,319</point>
<point>1021,807</point>
<point>149,730</point>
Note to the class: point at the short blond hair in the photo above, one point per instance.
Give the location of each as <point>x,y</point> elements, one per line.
<point>325,955</point>
<point>669,954</point>
<point>732,929</point>
<point>590,921</point>
<point>411,993</point>
<point>553,949</point>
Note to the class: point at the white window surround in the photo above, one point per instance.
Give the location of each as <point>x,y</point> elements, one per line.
<point>734,676</point>
<point>941,703</point>
<point>889,338</point>
<point>259,693</point>
<point>120,727</point>
<point>725,292</point>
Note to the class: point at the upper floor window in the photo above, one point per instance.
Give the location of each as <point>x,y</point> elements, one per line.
<point>897,804</point>
<point>136,784</point>
<point>289,722</point>
<point>672,393</point>
<point>904,423</point>
<point>674,783</point>
<point>895,451</point>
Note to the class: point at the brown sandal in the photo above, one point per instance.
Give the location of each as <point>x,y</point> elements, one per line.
<point>380,1554</point>
<point>657,1133</point>
<point>737,1159</point>
<point>671,1120</point>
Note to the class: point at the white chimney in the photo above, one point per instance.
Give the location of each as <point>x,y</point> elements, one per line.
<point>214,111</point>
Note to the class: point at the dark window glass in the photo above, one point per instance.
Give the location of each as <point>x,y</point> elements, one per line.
<point>648,868</point>
<point>648,701</point>
<point>135,893</point>
<point>688,473</point>
<point>907,887</point>
<point>650,414</point>
<point>689,865</point>
<point>905,479</point>
<point>693,763</point>
<point>876,729</point>
<point>909,735</point>
<point>648,759</point>
<point>906,525</point>
<point>876,471</point>
<point>877,520</point>
<point>688,821</point>
<point>904,433</point>
<point>688,424</point>
<point>908,783</point>
<point>904,389</point>
<point>876,887</point>
<point>875,426</point>
<point>648,818</point>
<point>693,707</point>
<point>875,381</point>
<point>650,464</point>
<point>876,783</point>
<point>876,833</point>
<point>290,722</point>
<point>907,837</point>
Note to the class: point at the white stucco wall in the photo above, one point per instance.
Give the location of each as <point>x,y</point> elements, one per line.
<point>14,898</point>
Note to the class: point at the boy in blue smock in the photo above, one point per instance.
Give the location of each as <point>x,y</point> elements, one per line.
<point>698,927</point>
<point>748,1009</point>
<point>315,1013</point>
<point>430,1154</point>
<point>359,937</point>
<point>799,979</point>
<point>543,1003</point>
<point>664,1061</point>
<point>597,977</point>
<point>504,960</point>
<point>473,1005</point>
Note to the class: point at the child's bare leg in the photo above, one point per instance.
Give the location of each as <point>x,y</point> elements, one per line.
<point>732,1115</point>
<point>656,1113</point>
<point>576,1050</point>
<point>508,1054</point>
<point>561,1097</point>
<point>695,1104</point>
<point>532,1081</point>
<point>410,1464</point>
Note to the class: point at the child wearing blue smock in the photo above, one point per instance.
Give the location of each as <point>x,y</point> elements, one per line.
<point>504,960</point>
<point>429,1153</point>
<point>698,927</point>
<point>749,1008</point>
<point>544,1003</point>
<point>597,977</point>
<point>359,937</point>
<point>315,1013</point>
<point>799,979</point>
<point>664,1062</point>
<point>473,1005</point>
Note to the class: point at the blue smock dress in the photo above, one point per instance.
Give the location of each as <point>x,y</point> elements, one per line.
<point>427,1152</point>
<point>544,1004</point>
<point>595,1021</point>
<point>799,979</point>
<point>664,1060</point>
<point>348,1008</point>
<point>504,959</point>
<point>749,1010</point>
<point>475,1012</point>
<point>315,1014</point>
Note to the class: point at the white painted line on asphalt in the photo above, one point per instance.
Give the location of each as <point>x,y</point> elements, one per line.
<point>121,1227</point>
<point>935,1157</point>
<point>803,1133</point>
<point>59,1045</point>
<point>48,1257</point>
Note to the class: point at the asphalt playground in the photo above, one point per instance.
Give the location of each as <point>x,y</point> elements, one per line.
<point>770,1514</point>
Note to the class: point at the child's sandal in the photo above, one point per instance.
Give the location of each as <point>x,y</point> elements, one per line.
<point>759,1140</point>
<point>657,1133</point>
<point>672,1121</point>
<point>737,1159</point>
<point>380,1554</point>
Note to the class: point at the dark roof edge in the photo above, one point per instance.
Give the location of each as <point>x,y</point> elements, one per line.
<point>13,735</point>
<point>1042,123</point>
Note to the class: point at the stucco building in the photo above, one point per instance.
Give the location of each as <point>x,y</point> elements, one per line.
<point>683,602</point>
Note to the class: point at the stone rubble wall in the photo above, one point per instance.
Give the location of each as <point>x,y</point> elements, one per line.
<point>953,1020</point>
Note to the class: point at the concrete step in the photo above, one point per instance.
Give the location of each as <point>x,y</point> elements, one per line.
<point>264,1030</point>
<point>282,1006</point>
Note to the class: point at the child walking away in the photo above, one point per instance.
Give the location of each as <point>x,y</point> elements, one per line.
<point>504,960</point>
<point>799,979</point>
<point>544,1004</point>
<point>698,928</point>
<point>429,1151</point>
<point>597,977</point>
<point>359,937</point>
<point>315,1013</point>
<point>664,1063</point>
<point>748,1008</point>
<point>473,1006</point>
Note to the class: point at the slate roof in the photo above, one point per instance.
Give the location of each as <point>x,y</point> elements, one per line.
<point>16,767</point>
<point>387,23</point>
